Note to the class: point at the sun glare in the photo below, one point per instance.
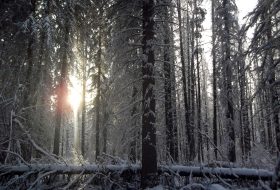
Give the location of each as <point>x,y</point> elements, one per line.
<point>74,97</point>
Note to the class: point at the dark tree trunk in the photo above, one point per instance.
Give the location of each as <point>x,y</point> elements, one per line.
<point>192,92</point>
<point>206,121</point>
<point>97,109</point>
<point>215,127</point>
<point>228,86</point>
<point>173,101</point>
<point>46,79</point>
<point>149,153</point>
<point>252,128</point>
<point>84,100</point>
<point>30,62</point>
<point>262,124</point>
<point>174,112</point>
<point>200,142</point>
<point>168,106</point>
<point>268,121</point>
<point>171,135</point>
<point>245,128</point>
<point>105,130</point>
<point>133,144</point>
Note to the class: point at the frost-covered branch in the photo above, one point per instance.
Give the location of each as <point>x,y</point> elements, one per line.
<point>34,144</point>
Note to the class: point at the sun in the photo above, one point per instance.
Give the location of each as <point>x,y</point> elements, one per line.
<point>75,91</point>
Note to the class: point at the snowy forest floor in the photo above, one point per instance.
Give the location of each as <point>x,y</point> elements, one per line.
<point>56,176</point>
<point>53,172</point>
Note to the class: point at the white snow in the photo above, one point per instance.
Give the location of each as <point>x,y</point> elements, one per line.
<point>216,187</point>
<point>159,187</point>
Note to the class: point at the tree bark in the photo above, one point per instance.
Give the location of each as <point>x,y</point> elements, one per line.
<point>228,85</point>
<point>192,98</point>
<point>149,153</point>
<point>84,98</point>
<point>245,128</point>
<point>199,128</point>
<point>105,130</point>
<point>171,138</point>
<point>215,127</point>
<point>97,109</point>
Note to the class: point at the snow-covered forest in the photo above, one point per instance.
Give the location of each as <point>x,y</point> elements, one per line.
<point>137,94</point>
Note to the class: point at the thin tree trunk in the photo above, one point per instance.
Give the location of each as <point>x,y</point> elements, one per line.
<point>192,93</point>
<point>251,114</point>
<point>84,99</point>
<point>168,107</point>
<point>97,130</point>
<point>206,122</point>
<point>30,63</point>
<point>174,111</point>
<point>171,139</point>
<point>215,127</point>
<point>186,106</point>
<point>61,90</point>
<point>268,121</point>
<point>182,136</point>
<point>133,144</point>
<point>173,100</point>
<point>43,54</point>
<point>200,142</point>
<point>245,128</point>
<point>262,124</point>
<point>105,130</point>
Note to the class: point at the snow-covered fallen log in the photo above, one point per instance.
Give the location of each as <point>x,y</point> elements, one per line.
<point>230,173</point>
<point>67,169</point>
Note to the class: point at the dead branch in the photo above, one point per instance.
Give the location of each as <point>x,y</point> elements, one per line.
<point>34,144</point>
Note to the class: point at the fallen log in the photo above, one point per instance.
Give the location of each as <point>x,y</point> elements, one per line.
<point>193,171</point>
<point>227,173</point>
<point>67,169</point>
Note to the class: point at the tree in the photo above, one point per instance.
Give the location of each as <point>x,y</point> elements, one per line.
<point>171,128</point>
<point>228,86</point>
<point>244,104</point>
<point>99,53</point>
<point>215,139</point>
<point>149,154</point>
<point>62,83</point>
<point>199,16</point>
<point>190,136</point>
<point>226,29</point>
<point>84,73</point>
<point>262,46</point>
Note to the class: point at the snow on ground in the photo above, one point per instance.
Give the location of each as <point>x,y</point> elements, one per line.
<point>216,187</point>
<point>158,187</point>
